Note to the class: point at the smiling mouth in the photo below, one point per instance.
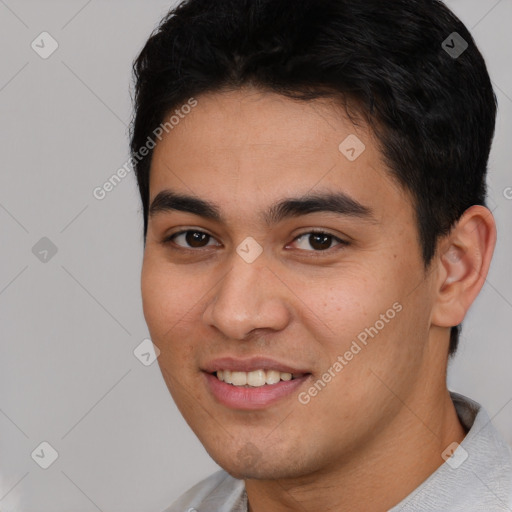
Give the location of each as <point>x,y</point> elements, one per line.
<point>256,378</point>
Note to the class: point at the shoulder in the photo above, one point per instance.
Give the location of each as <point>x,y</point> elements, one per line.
<point>478,474</point>
<point>219,492</point>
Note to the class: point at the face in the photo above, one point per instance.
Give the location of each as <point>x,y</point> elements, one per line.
<point>329,286</point>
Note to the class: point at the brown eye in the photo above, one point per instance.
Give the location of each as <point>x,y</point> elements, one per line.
<point>319,241</point>
<point>192,239</point>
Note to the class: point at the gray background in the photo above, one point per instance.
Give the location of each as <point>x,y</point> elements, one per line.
<point>68,374</point>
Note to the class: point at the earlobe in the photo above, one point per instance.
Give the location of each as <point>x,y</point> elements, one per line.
<point>464,260</point>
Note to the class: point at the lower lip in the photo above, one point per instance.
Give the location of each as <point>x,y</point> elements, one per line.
<point>238,397</point>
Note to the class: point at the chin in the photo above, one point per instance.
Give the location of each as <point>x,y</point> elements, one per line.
<point>249,462</point>
<point>260,472</point>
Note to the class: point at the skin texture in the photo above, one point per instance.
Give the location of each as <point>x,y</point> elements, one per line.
<point>378,429</point>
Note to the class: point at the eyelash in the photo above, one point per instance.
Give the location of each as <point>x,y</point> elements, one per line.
<point>343,243</point>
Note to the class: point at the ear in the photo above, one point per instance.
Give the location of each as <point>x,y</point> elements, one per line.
<point>463,260</point>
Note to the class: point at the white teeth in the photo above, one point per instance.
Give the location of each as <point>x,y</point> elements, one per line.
<point>256,378</point>
<point>238,378</point>
<point>273,376</point>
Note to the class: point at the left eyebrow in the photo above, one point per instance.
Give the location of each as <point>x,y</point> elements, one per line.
<point>338,203</point>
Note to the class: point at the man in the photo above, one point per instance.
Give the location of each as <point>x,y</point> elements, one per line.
<point>312,175</point>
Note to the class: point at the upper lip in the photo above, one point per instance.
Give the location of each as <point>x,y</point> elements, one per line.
<point>250,364</point>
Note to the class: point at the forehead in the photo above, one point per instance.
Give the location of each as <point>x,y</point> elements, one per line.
<point>245,148</point>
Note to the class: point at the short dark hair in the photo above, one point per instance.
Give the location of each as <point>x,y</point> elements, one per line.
<point>432,112</point>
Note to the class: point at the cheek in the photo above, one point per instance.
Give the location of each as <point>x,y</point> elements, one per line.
<point>168,298</point>
<point>355,301</point>
<point>366,315</point>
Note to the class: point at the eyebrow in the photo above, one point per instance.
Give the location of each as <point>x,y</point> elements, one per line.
<point>338,203</point>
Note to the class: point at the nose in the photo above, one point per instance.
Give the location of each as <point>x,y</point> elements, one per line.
<point>249,297</point>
